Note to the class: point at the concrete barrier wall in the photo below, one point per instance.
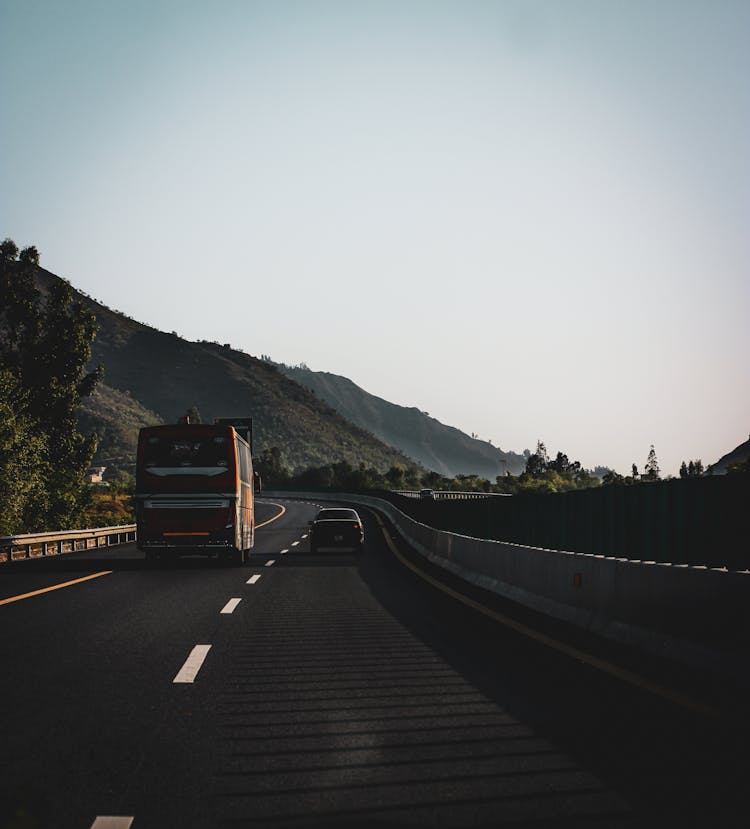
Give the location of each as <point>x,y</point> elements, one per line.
<point>697,615</point>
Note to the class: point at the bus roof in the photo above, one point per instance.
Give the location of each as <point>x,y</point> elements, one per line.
<point>189,428</point>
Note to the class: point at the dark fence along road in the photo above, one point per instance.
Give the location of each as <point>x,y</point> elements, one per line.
<point>337,690</point>
<point>692,521</point>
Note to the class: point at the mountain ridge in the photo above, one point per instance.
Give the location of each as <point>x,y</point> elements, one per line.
<point>315,418</point>
<point>740,454</point>
<point>150,374</point>
<point>435,445</point>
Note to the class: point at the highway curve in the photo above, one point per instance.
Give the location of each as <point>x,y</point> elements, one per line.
<point>338,690</point>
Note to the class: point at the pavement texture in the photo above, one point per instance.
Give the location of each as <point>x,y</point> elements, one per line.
<point>341,690</point>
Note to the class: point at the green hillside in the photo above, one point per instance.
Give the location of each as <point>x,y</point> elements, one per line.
<point>152,376</point>
<point>445,449</point>
<point>116,418</point>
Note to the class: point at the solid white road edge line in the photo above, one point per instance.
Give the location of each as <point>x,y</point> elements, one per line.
<point>230,606</point>
<point>112,823</point>
<point>253,579</point>
<point>189,670</point>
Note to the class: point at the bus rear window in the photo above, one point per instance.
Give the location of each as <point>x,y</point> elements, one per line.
<point>199,455</point>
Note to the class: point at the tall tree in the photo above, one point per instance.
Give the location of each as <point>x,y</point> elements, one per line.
<point>8,250</point>
<point>23,497</point>
<point>692,469</point>
<point>29,256</point>
<point>537,464</point>
<point>45,344</point>
<point>563,464</point>
<point>651,470</point>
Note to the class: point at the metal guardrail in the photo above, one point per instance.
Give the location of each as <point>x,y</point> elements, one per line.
<point>450,495</point>
<point>689,613</point>
<point>40,545</point>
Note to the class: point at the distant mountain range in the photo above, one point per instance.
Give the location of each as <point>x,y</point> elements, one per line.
<point>154,377</point>
<point>434,445</point>
<point>314,418</point>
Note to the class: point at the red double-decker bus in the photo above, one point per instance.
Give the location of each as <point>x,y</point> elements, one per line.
<point>194,490</point>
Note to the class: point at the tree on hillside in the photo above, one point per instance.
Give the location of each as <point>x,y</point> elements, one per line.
<point>693,469</point>
<point>45,345</point>
<point>536,464</point>
<point>271,468</point>
<point>8,250</point>
<point>562,464</point>
<point>395,477</point>
<point>433,480</point>
<point>612,478</point>
<point>651,470</point>
<point>22,488</point>
<point>29,256</point>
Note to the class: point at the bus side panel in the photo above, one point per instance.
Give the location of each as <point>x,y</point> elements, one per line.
<point>245,500</point>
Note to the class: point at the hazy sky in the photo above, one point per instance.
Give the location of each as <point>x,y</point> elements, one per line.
<point>529,218</point>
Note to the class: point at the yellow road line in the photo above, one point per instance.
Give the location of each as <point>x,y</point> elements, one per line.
<point>53,587</point>
<point>18,598</point>
<point>271,520</point>
<point>601,664</point>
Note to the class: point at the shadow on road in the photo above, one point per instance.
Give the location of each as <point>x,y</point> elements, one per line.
<point>670,763</point>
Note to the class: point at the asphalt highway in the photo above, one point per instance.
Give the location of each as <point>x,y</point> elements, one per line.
<point>322,690</point>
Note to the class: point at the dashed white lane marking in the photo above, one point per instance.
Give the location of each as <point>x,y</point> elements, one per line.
<point>304,536</point>
<point>189,670</point>
<point>294,543</point>
<point>230,606</point>
<point>112,823</point>
<point>253,579</point>
<point>283,551</point>
<point>270,562</point>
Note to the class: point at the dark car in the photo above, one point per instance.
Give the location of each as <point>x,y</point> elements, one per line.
<point>337,529</point>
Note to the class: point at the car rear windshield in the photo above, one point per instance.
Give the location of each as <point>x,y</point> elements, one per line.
<point>336,514</point>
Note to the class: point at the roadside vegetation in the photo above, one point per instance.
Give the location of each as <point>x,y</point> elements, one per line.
<point>45,346</point>
<point>110,507</point>
<point>542,475</point>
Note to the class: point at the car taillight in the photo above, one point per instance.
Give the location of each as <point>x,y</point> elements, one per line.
<point>357,526</point>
